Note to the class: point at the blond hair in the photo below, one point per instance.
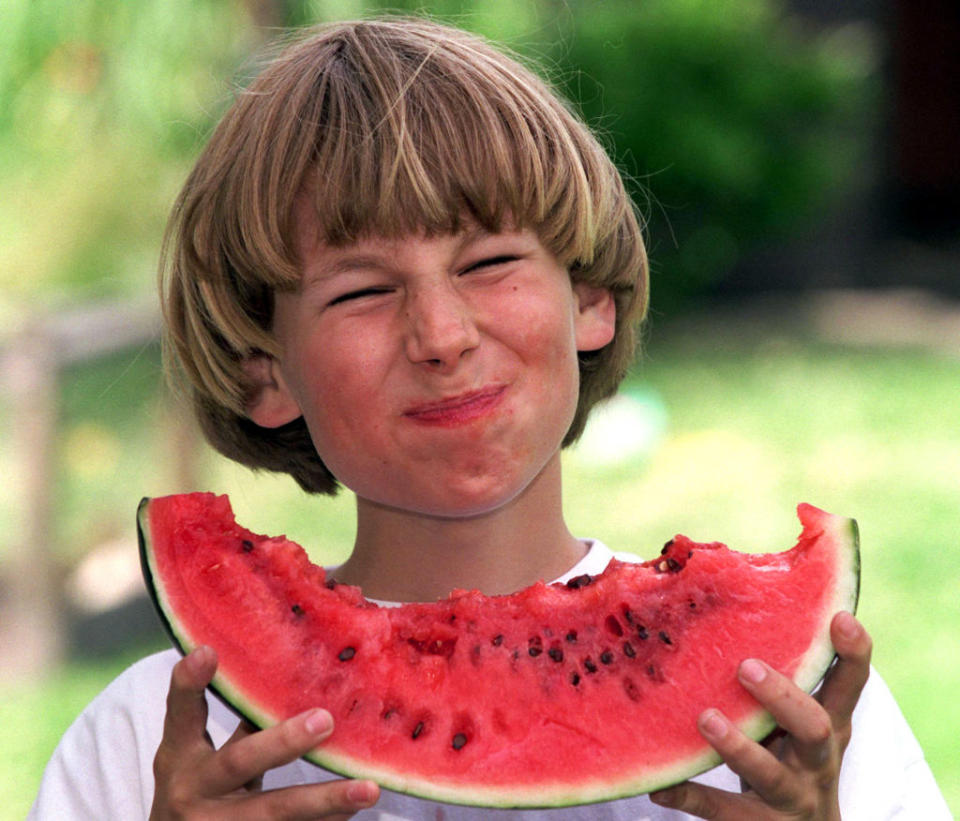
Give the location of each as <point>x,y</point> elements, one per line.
<point>392,126</point>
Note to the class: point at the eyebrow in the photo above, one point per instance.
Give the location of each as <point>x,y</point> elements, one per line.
<point>343,265</point>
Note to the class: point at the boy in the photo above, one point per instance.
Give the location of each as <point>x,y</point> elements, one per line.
<point>403,266</point>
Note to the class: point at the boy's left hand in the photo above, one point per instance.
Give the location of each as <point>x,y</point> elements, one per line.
<point>797,776</point>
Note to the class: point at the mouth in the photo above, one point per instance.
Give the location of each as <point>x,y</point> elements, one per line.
<point>459,409</point>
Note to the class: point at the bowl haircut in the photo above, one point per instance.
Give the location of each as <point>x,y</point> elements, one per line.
<point>390,127</point>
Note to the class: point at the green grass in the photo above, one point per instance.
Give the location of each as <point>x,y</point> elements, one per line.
<point>751,431</point>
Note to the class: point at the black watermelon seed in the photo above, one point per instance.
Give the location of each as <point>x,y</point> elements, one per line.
<point>666,547</point>
<point>555,653</point>
<point>642,632</point>
<point>614,626</point>
<point>247,545</point>
<point>347,653</point>
<point>572,636</point>
<point>589,665</point>
<point>497,640</point>
<point>673,565</point>
<point>579,581</point>
<point>389,713</point>
<point>627,614</point>
<point>297,610</point>
<point>628,650</point>
<point>693,604</point>
<point>664,637</point>
<point>535,646</point>
<point>331,583</point>
<point>459,740</point>
<point>574,679</point>
<point>606,657</point>
<point>417,730</point>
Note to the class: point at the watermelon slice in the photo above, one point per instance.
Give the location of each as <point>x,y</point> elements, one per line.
<point>558,694</point>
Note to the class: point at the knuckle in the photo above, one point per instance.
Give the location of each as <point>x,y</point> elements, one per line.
<point>779,782</point>
<point>807,807</point>
<point>164,761</point>
<point>820,727</point>
<point>292,734</point>
<point>704,806</point>
<point>320,800</point>
<point>179,804</point>
<point>843,734</point>
<point>827,779</point>
<point>177,800</point>
<point>827,776</point>
<point>233,762</point>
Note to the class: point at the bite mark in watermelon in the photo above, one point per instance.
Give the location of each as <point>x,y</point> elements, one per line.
<point>555,695</point>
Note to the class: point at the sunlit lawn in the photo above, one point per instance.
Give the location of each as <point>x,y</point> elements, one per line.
<point>746,431</point>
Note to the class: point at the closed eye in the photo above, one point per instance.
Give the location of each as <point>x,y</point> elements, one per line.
<point>491,262</point>
<point>358,294</point>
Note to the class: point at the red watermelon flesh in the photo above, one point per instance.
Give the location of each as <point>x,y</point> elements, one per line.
<point>555,695</point>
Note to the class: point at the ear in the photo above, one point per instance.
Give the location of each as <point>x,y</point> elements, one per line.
<point>595,316</point>
<point>270,403</point>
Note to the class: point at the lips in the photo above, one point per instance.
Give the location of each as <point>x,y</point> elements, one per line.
<point>459,409</point>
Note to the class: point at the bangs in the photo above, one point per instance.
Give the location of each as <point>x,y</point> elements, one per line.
<point>390,138</point>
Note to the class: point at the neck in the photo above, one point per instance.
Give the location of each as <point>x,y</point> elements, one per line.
<point>404,556</point>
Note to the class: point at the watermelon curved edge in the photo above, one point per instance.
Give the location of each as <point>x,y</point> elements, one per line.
<point>843,533</point>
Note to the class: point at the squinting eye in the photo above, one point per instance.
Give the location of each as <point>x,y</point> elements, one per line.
<point>359,294</point>
<point>491,262</point>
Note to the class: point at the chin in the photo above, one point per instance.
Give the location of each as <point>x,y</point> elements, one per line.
<point>454,503</point>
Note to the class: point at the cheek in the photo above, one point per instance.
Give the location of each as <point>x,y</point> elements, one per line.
<point>547,336</point>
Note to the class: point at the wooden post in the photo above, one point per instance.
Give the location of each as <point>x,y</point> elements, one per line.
<point>31,630</point>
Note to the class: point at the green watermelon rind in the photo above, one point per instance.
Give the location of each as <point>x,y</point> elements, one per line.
<point>811,671</point>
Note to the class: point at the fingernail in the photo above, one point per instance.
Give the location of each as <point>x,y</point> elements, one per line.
<point>665,798</point>
<point>713,724</point>
<point>199,659</point>
<point>847,625</point>
<point>362,793</point>
<point>318,722</point>
<point>753,671</point>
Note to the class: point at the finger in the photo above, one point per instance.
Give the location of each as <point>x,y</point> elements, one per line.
<point>797,712</point>
<point>186,717</point>
<point>245,729</point>
<point>247,758</point>
<point>337,800</point>
<point>767,776</point>
<point>706,802</point>
<point>842,687</point>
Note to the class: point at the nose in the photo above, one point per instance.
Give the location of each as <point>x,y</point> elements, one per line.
<point>441,326</point>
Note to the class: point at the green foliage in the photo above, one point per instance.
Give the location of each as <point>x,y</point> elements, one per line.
<point>740,123</point>
<point>101,107</point>
<point>736,120</point>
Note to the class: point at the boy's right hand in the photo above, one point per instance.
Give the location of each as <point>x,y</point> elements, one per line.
<point>194,780</point>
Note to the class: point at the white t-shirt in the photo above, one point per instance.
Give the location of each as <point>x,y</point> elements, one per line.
<point>102,768</point>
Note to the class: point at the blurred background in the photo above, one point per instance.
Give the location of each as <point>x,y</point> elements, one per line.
<point>798,166</point>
